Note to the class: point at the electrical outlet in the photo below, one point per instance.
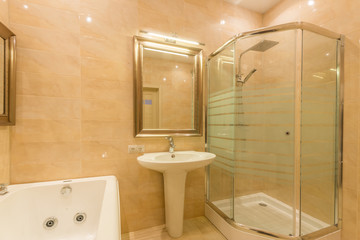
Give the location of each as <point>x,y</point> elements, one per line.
<point>132,148</point>
<point>136,148</point>
<point>140,148</point>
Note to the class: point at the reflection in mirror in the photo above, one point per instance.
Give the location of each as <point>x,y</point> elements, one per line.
<point>2,74</point>
<point>167,90</point>
<point>168,81</point>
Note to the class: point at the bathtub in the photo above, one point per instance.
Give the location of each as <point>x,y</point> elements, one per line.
<point>76,209</point>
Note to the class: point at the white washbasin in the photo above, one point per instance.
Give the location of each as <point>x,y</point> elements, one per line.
<point>177,161</point>
<point>174,167</point>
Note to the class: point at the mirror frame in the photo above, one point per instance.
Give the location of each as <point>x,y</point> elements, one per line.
<point>8,118</point>
<point>139,44</point>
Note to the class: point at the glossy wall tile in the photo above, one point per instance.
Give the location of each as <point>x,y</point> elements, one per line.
<point>75,91</point>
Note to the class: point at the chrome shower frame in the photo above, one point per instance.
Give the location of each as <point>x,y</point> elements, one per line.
<point>339,162</point>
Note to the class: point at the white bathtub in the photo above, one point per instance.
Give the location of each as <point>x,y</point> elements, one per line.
<point>26,208</point>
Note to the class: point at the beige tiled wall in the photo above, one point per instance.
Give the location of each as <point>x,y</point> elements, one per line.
<point>75,92</point>
<point>341,17</point>
<point>4,12</point>
<point>4,131</point>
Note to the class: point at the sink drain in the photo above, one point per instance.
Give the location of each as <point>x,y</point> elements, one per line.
<point>263,204</point>
<point>50,223</point>
<point>79,218</point>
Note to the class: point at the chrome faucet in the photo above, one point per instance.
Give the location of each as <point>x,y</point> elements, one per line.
<point>172,145</point>
<point>3,189</point>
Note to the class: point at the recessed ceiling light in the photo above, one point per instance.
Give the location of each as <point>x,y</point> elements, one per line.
<point>311,2</point>
<point>222,22</point>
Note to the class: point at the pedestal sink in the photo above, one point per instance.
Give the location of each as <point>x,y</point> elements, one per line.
<point>174,167</point>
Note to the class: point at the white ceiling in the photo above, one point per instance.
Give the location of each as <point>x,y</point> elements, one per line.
<point>260,6</point>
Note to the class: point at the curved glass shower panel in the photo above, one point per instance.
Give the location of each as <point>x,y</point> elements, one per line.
<point>274,122</point>
<point>319,93</point>
<point>264,129</point>
<point>221,133</point>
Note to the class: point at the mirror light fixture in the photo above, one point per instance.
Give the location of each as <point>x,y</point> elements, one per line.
<point>171,39</point>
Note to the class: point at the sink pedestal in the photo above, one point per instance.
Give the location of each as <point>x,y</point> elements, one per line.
<point>174,189</point>
<point>174,167</point>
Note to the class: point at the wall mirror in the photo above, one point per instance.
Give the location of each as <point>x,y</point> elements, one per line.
<point>168,88</point>
<point>7,76</point>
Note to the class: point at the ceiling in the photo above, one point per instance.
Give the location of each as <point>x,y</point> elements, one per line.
<point>260,6</point>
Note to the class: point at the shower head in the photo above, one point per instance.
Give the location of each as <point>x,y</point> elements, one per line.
<point>249,75</point>
<point>263,45</point>
<point>242,80</point>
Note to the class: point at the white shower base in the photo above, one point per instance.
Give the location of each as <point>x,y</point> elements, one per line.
<point>267,213</point>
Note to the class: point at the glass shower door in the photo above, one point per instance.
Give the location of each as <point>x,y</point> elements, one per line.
<point>274,122</point>
<point>221,134</point>
<point>265,133</point>
<point>319,125</point>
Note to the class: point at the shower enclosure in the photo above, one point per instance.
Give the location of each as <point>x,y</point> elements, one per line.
<point>274,110</point>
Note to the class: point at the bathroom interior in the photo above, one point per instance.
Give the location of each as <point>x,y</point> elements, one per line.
<point>261,93</point>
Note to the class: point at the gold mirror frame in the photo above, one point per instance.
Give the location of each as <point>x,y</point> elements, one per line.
<point>139,44</point>
<point>8,118</point>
